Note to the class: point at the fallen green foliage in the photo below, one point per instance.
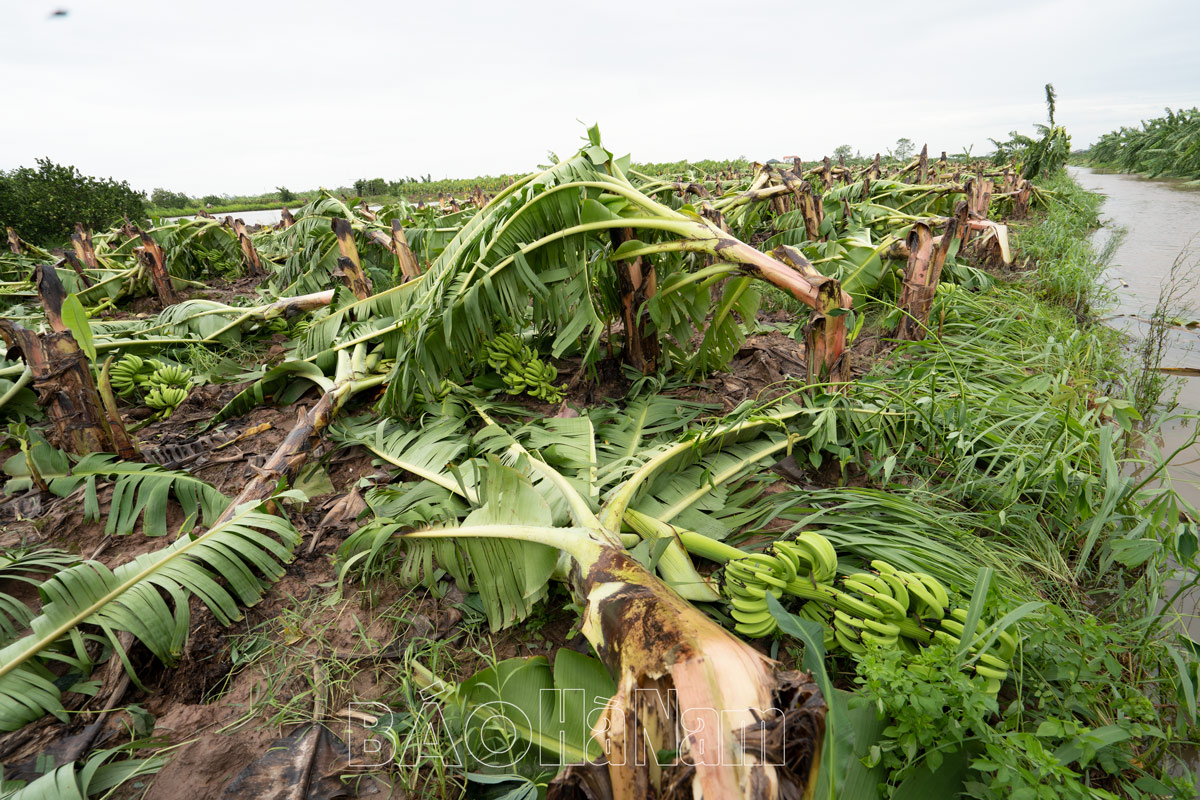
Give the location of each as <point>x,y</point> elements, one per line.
<point>963,543</point>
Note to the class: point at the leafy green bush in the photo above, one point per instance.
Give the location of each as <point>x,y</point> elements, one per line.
<point>164,198</point>
<point>43,204</point>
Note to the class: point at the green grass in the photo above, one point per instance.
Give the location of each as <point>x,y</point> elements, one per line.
<point>1009,441</point>
<point>1068,271</point>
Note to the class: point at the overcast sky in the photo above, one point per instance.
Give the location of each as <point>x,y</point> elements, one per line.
<point>239,97</point>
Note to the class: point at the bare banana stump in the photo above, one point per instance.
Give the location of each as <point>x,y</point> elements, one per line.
<point>409,268</point>
<point>151,254</point>
<point>927,256</point>
<point>637,282</point>
<point>253,263</point>
<point>349,263</point>
<point>62,378</point>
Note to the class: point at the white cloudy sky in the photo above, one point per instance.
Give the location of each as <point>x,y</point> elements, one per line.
<point>210,96</point>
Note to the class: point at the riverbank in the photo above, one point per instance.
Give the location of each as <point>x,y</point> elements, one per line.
<point>1032,455</point>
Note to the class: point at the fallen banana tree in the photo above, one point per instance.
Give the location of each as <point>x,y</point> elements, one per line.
<point>670,661</point>
<point>526,257</point>
<point>667,657</point>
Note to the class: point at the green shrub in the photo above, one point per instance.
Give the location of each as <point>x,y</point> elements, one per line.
<point>164,198</point>
<point>43,204</point>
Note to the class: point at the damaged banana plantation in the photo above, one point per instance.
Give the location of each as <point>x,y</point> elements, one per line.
<point>798,479</point>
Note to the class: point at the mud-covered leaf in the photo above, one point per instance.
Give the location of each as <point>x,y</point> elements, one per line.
<point>307,764</point>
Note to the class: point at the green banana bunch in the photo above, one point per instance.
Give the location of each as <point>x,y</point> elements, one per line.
<point>504,351</point>
<point>439,394</point>
<point>747,580</point>
<point>521,369</point>
<point>130,373</point>
<point>166,399</point>
<point>884,608</point>
<point>171,375</point>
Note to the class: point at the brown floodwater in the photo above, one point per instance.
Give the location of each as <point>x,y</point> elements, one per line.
<point>1161,223</point>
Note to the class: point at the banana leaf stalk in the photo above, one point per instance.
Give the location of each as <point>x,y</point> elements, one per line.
<point>22,381</point>
<point>285,463</point>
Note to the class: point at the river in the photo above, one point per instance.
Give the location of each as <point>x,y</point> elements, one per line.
<point>1161,221</point>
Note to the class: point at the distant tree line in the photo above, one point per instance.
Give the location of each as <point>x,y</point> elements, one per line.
<point>426,188</point>
<point>43,203</point>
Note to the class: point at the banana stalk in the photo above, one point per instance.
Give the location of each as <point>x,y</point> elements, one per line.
<point>672,666</point>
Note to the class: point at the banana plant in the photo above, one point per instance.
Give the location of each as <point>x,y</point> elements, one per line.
<point>532,521</point>
<point>527,259</point>
<point>649,637</point>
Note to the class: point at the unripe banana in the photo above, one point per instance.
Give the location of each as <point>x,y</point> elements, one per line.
<point>866,609</point>
<point>935,588</point>
<point>988,672</point>
<point>848,643</point>
<point>921,600</point>
<point>878,594</point>
<point>166,398</point>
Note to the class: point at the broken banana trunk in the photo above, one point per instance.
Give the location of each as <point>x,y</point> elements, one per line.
<point>406,261</point>
<point>253,262</point>
<point>81,242</point>
<point>153,257</point>
<point>64,386</point>
<point>62,378</point>
<point>685,685</point>
<point>927,256</point>
<point>637,282</point>
<point>825,334</point>
<point>349,264</point>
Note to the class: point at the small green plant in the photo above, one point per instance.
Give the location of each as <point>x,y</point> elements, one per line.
<point>1149,382</point>
<point>935,708</point>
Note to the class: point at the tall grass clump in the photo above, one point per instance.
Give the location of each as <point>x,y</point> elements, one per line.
<point>1003,443</point>
<point>1148,381</point>
<point>1069,272</point>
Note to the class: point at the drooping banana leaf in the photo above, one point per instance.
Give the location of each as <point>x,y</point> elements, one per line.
<point>22,565</point>
<point>227,565</point>
<point>140,491</point>
<point>550,709</point>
